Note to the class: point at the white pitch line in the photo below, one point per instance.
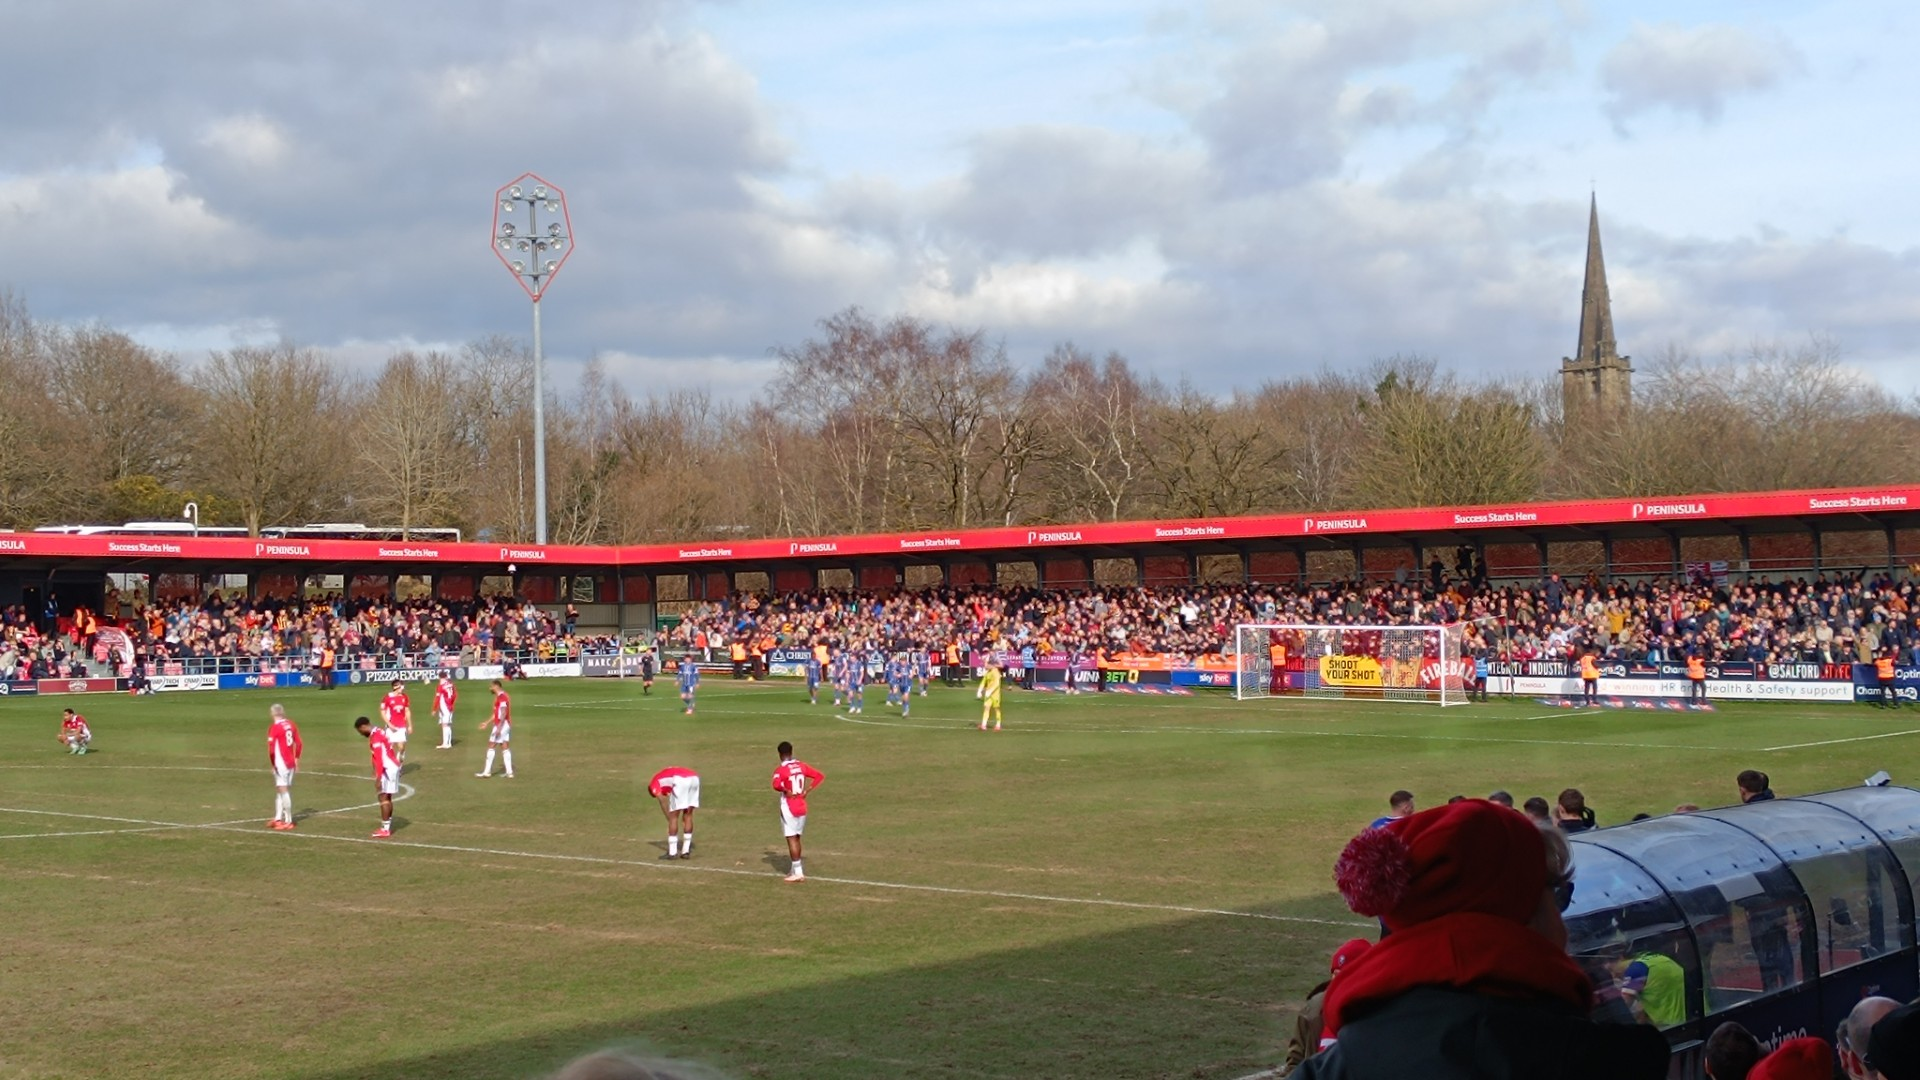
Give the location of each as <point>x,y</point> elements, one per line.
<point>1837,742</point>
<point>151,825</point>
<point>1032,730</point>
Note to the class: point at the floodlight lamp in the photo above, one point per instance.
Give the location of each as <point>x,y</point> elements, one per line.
<point>553,206</point>
<point>507,205</point>
<point>505,244</point>
<point>550,267</point>
<point>506,228</point>
<point>519,267</point>
<point>556,244</point>
<point>513,192</point>
<point>540,192</point>
<point>553,229</point>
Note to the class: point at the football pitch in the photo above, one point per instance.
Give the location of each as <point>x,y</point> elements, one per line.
<point>1114,886</point>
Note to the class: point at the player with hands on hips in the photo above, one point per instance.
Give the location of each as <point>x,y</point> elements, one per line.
<point>501,733</point>
<point>792,781</point>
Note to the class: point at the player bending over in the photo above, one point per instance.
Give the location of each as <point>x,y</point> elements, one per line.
<point>396,712</point>
<point>989,695</point>
<point>283,756</point>
<point>74,733</point>
<point>678,790</point>
<point>444,695</point>
<point>792,780</point>
<point>499,729</point>
<point>386,772</point>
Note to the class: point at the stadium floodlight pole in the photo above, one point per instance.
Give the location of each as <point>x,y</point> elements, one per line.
<point>534,257</point>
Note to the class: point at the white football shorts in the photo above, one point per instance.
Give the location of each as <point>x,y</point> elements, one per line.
<point>398,735</point>
<point>389,782</point>
<point>282,777</point>
<point>792,825</point>
<point>500,733</point>
<point>445,716</point>
<point>685,794</point>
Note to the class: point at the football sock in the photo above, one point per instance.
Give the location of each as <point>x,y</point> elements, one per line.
<point>507,757</point>
<point>489,765</point>
<point>673,844</point>
<point>797,870</point>
<point>686,841</point>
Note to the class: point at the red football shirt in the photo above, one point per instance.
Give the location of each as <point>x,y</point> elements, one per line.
<point>443,696</point>
<point>283,744</point>
<point>395,709</point>
<point>792,780</point>
<point>382,753</point>
<point>501,709</point>
<point>662,781</point>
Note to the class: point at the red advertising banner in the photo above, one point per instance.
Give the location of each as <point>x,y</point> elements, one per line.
<point>77,686</point>
<point>231,551</point>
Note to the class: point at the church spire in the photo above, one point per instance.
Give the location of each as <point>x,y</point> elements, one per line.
<point>1596,375</point>
<point>1596,306</point>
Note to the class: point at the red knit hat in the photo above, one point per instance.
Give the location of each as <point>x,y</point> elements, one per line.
<point>1805,1058</point>
<point>1465,856</point>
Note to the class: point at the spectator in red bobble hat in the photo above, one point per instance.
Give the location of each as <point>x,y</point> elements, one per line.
<point>1475,980</point>
<point>1805,1058</point>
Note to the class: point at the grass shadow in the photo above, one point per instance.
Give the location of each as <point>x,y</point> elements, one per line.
<point>1203,998</point>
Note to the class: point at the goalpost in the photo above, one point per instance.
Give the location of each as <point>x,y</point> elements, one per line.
<point>1396,663</point>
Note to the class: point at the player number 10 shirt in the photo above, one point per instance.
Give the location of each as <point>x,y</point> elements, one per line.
<point>792,780</point>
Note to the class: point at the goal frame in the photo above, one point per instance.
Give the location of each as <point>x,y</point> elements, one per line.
<point>1440,643</point>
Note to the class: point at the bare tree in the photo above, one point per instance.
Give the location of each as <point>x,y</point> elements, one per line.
<point>1094,418</point>
<point>1211,458</point>
<point>275,417</point>
<point>414,460</point>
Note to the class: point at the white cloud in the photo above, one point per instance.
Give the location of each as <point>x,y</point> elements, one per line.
<point>1692,69</point>
<point>247,138</point>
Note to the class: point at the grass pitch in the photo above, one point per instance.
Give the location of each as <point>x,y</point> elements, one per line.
<point>1114,886</point>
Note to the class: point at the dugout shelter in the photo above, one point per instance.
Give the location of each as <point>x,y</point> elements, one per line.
<point>1780,914</point>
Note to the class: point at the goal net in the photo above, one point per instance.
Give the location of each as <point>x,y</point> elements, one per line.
<point>1395,663</point>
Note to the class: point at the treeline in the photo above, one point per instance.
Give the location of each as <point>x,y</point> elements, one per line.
<point>882,425</point>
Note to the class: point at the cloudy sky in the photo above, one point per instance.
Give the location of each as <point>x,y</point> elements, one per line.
<point>1223,191</point>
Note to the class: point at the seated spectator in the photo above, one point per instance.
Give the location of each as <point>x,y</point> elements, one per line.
<point>1308,1025</point>
<point>1475,980</point>
<point>1571,813</point>
<point>1537,809</point>
<point>1805,1058</point>
<point>1501,798</point>
<point>1851,1040</point>
<point>1655,988</point>
<point>1731,1052</point>
<point>1893,1045</point>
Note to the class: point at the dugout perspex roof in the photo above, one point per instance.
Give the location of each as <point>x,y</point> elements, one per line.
<point>1826,510</point>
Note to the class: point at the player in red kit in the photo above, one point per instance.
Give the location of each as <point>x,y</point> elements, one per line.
<point>679,793</point>
<point>792,780</point>
<point>444,696</point>
<point>501,724</point>
<point>386,773</point>
<point>74,733</point>
<point>396,712</point>
<point>283,754</point>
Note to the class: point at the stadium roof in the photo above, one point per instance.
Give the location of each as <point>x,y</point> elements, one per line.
<point>1825,510</point>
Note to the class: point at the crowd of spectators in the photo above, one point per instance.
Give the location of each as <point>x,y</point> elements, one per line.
<point>1841,619</point>
<point>1834,619</point>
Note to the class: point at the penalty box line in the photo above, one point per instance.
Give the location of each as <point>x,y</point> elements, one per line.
<point>948,890</point>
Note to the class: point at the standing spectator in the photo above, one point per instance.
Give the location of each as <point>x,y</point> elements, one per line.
<point>1570,812</point>
<point>1399,805</point>
<point>1754,786</point>
<point>1475,980</point>
<point>1883,671</point>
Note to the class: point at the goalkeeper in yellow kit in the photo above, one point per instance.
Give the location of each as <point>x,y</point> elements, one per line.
<point>989,695</point>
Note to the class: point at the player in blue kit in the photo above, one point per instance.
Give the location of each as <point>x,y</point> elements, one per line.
<point>813,678</point>
<point>922,668</point>
<point>856,677</point>
<point>900,683</point>
<point>689,681</point>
